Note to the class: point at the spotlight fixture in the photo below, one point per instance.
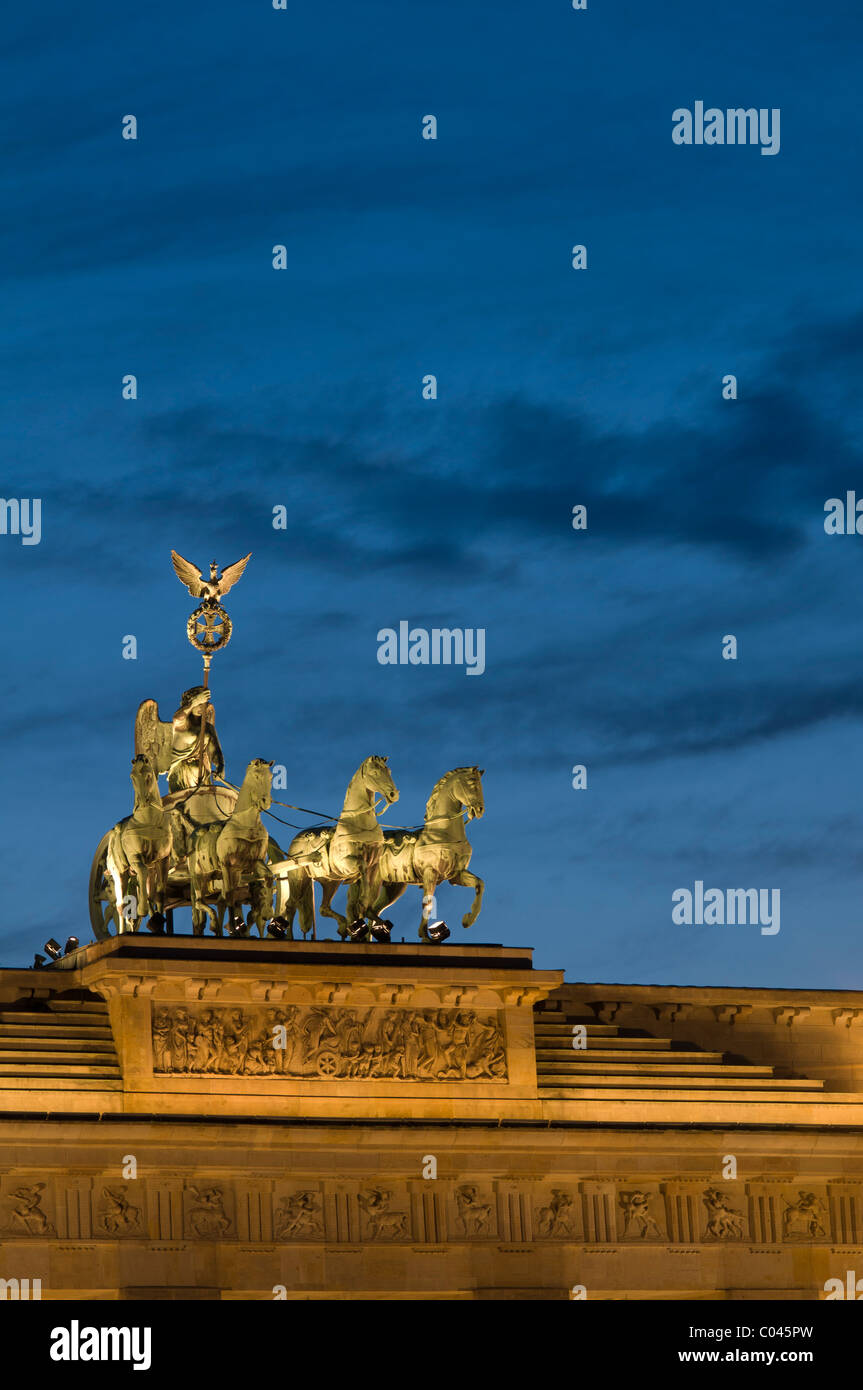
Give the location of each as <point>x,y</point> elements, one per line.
<point>72,944</point>
<point>438,932</point>
<point>156,923</point>
<point>381,929</point>
<point>359,930</point>
<point>54,949</point>
<point>277,928</point>
<point>38,961</point>
<point>237,925</point>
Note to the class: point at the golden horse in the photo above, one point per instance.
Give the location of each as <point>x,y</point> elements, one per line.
<point>230,856</point>
<point>348,852</point>
<point>439,852</point>
<point>140,847</point>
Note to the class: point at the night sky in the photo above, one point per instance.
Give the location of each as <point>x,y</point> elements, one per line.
<point>556,387</point>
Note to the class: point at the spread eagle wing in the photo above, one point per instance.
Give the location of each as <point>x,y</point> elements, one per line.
<point>188,574</point>
<point>232,574</point>
<point>153,736</point>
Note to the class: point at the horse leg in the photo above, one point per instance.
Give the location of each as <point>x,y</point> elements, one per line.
<point>389,894</point>
<point>329,888</point>
<point>117,871</point>
<point>139,869</point>
<point>466,879</point>
<point>261,895</point>
<point>260,915</point>
<point>160,884</point>
<point>306,906</point>
<point>230,891</point>
<point>215,915</point>
<point>370,885</point>
<point>120,880</point>
<point>291,904</point>
<point>430,883</point>
<point>354,908</point>
<point>200,915</point>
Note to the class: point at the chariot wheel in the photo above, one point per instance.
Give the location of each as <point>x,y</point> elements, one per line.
<point>328,1064</point>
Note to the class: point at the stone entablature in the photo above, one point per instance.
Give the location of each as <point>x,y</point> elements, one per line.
<point>418,1032</point>
<point>815,1033</point>
<point>239,1209</point>
<point>271,1028</point>
<point>399,1141</point>
<point>778,1213</point>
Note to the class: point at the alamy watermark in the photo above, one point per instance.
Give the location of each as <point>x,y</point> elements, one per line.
<point>21,517</point>
<point>719,907</point>
<point>20,1289</point>
<point>438,646</point>
<point>852,1288</point>
<point>735,126</point>
<point>77,1343</point>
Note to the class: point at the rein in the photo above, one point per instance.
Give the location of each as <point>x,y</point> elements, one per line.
<point>322,815</point>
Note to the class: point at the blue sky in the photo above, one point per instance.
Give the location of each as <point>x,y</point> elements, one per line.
<point>556,387</point>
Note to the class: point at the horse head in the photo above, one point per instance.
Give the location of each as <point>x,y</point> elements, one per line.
<point>144,780</point>
<point>257,788</point>
<point>377,778</point>
<point>467,786</point>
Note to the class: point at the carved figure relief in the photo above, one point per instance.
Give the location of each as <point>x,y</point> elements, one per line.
<point>556,1219</point>
<point>384,1215</point>
<point>208,1217</point>
<point>801,1220</point>
<point>27,1213</point>
<point>381,1222</point>
<point>321,1042</point>
<point>724,1222</point>
<point>638,1223</point>
<point>474,1215</point>
<point>119,1215</point>
<point>297,1216</point>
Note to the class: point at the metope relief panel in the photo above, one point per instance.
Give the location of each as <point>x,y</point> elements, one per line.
<point>805,1215</point>
<point>324,1043</point>
<point>298,1214</point>
<point>557,1215</point>
<point>385,1214</point>
<point>475,1214</point>
<point>27,1209</point>
<point>120,1209</point>
<point>641,1215</point>
<point>724,1217</point>
<point>207,1211</point>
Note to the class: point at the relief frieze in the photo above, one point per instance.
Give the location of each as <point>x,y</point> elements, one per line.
<point>329,1043</point>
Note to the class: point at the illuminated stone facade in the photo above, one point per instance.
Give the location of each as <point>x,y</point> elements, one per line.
<point>209,1118</point>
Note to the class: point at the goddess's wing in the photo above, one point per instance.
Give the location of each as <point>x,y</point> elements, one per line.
<point>153,736</point>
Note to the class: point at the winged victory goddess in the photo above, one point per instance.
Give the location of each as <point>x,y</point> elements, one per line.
<point>188,748</point>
